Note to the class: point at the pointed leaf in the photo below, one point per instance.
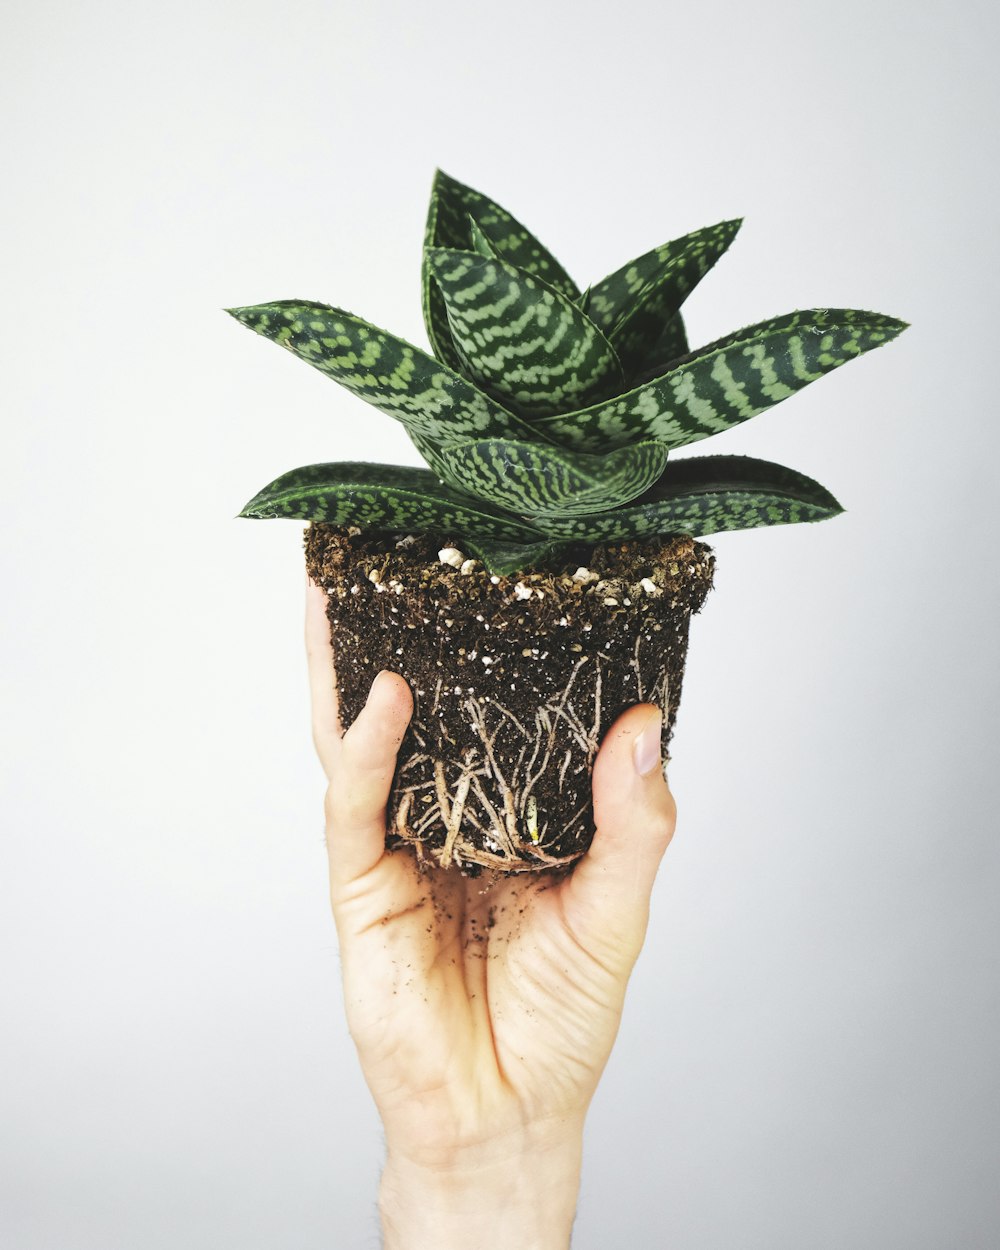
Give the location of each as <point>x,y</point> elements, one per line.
<point>455,202</point>
<point>447,226</point>
<point>480,242</point>
<point>380,497</point>
<point>520,339</point>
<point>705,495</point>
<point>393,375</point>
<point>726,382</point>
<point>537,480</point>
<point>431,301</point>
<point>634,304</point>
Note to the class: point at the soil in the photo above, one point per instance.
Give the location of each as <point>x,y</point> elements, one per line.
<point>514,679</point>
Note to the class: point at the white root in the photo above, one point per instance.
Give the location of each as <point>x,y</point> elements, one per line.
<point>484,802</point>
<point>455,819</point>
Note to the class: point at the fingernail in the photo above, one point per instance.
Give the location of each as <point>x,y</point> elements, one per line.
<point>379,676</point>
<point>646,752</point>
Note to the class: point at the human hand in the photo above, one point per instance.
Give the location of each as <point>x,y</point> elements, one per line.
<point>483,1011</point>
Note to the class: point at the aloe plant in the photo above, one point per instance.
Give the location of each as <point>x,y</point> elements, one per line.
<point>547,415</point>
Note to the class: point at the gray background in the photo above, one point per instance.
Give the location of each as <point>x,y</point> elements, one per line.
<point>808,1056</point>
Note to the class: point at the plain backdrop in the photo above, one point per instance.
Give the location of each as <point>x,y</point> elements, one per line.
<point>808,1054</point>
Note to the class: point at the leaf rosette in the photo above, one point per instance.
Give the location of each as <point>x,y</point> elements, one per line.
<point>548,415</point>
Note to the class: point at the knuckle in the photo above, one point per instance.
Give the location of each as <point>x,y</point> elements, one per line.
<point>348,805</point>
<point>662,824</point>
<point>333,810</point>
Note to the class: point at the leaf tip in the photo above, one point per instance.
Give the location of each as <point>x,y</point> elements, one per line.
<point>252,510</point>
<point>443,180</point>
<point>242,315</point>
<point>886,329</point>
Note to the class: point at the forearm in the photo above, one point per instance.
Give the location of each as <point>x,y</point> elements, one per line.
<point>523,1194</point>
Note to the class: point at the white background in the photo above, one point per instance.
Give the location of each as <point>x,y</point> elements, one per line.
<point>808,1056</point>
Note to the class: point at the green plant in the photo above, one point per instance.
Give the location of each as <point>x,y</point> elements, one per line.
<point>547,414</point>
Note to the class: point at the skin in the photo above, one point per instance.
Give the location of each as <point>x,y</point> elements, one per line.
<point>483,1012</point>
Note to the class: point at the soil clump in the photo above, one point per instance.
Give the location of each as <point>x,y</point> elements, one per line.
<point>514,679</point>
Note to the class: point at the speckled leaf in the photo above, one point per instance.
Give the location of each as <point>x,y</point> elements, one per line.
<point>704,495</point>
<point>505,558</point>
<point>520,339</point>
<point>455,202</point>
<point>452,203</point>
<point>396,377</point>
<point>430,449</point>
<point>536,480</point>
<point>726,382</point>
<point>380,496</point>
<point>634,305</point>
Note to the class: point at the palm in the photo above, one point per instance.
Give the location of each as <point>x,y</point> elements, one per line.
<point>473,989</point>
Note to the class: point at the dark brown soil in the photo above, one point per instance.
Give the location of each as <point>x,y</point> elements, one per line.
<point>514,679</point>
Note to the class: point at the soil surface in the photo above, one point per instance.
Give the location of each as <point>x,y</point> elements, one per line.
<point>514,679</point>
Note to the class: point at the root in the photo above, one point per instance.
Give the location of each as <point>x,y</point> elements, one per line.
<point>480,809</point>
<point>455,819</point>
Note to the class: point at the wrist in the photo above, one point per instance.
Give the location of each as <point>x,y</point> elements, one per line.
<point>516,1190</point>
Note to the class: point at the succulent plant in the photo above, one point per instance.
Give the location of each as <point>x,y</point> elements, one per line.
<point>547,415</point>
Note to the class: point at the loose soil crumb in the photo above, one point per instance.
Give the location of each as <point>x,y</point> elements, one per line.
<point>514,679</point>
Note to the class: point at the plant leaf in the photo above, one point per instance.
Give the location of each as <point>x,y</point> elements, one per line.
<point>520,339</point>
<point>393,375</point>
<point>726,382</point>
<point>430,449</point>
<point>704,495</point>
<point>383,497</point>
<point>537,480</point>
<point>504,558</point>
<point>480,242</point>
<point>455,202</point>
<point>670,346</point>
<point>634,304</point>
<point>451,205</point>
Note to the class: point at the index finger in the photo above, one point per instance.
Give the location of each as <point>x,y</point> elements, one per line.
<point>326,727</point>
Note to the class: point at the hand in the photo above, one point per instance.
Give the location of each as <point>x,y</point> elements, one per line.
<point>483,1011</point>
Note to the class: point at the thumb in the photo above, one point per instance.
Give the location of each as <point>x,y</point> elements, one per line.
<point>361,777</point>
<point>607,896</point>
